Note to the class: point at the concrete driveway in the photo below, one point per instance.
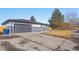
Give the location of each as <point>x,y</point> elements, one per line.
<point>38,42</point>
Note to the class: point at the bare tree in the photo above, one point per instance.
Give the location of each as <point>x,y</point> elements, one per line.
<point>71,18</point>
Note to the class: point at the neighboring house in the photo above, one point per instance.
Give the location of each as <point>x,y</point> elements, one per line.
<point>22,25</point>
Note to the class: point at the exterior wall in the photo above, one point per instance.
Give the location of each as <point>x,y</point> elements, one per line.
<point>39,28</point>
<point>25,27</point>
<point>36,25</point>
<point>10,26</point>
<point>22,27</point>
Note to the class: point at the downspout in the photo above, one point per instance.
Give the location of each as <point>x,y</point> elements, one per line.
<point>14,28</point>
<point>11,27</point>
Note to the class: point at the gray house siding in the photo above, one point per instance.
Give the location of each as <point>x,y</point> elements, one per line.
<point>39,29</point>
<point>19,28</point>
<point>22,25</point>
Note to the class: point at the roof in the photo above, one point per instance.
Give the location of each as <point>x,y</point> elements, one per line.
<point>22,21</point>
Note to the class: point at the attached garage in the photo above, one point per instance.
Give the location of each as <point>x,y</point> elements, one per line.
<point>19,28</point>
<point>22,25</point>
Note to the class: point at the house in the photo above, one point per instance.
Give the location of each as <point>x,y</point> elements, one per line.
<point>23,25</point>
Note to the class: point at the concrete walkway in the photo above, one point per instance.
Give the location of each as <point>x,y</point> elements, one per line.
<point>39,42</point>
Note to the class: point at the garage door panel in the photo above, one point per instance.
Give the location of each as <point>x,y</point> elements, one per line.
<point>39,29</point>
<point>19,28</point>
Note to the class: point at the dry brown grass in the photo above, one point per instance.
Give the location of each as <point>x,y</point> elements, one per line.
<point>60,33</point>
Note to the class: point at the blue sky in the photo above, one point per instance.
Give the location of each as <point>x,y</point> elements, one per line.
<point>41,14</point>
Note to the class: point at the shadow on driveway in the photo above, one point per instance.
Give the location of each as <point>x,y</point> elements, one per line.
<point>9,36</point>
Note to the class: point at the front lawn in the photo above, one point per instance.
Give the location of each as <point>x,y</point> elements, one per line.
<point>60,33</point>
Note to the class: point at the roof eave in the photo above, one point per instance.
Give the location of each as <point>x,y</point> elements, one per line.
<point>9,20</point>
